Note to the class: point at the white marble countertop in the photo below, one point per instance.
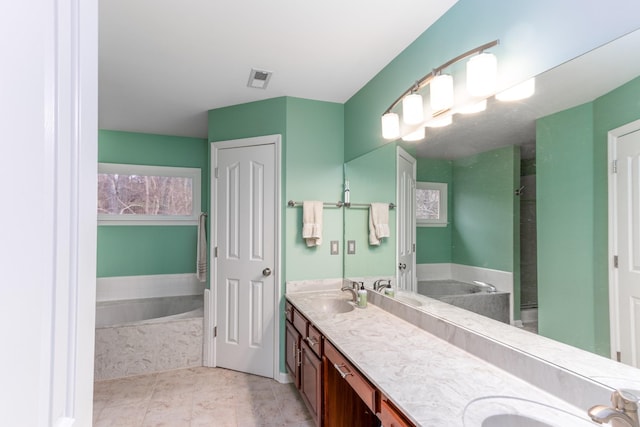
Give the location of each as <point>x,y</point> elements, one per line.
<point>433,382</point>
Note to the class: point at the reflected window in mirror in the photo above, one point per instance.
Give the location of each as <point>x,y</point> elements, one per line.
<point>431,204</point>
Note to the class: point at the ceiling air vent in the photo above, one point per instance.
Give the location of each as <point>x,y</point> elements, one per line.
<point>259,79</point>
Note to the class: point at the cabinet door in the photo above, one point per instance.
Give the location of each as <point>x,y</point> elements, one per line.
<point>292,358</point>
<point>311,381</point>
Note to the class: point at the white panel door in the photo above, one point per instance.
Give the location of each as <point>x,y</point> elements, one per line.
<point>406,221</point>
<point>244,279</point>
<point>628,239</point>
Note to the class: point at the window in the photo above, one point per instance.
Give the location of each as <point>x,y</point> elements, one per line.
<point>431,204</point>
<point>147,195</point>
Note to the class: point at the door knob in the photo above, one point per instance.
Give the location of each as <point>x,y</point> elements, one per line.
<point>402,266</point>
<point>266,272</point>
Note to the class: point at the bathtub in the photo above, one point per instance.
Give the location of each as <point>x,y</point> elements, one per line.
<point>141,336</point>
<point>468,296</point>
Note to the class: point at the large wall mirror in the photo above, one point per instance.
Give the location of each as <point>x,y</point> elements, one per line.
<point>528,195</point>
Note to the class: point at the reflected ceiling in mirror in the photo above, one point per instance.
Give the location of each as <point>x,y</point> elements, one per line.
<point>507,123</point>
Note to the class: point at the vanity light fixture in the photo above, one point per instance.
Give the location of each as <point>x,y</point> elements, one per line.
<point>481,75</point>
<point>417,135</point>
<point>474,108</point>
<point>482,72</point>
<point>520,91</point>
<point>412,110</point>
<point>390,126</point>
<point>441,89</point>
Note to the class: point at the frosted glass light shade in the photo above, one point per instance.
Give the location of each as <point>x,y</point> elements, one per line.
<point>520,91</point>
<point>412,111</point>
<point>482,71</point>
<point>440,122</point>
<point>390,126</point>
<point>474,108</point>
<point>417,135</point>
<point>441,88</point>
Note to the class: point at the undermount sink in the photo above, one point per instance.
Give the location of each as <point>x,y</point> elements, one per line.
<point>411,301</point>
<point>509,420</point>
<point>507,411</point>
<point>333,305</point>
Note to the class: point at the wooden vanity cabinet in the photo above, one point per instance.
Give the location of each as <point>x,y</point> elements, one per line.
<point>292,348</point>
<point>349,399</point>
<point>303,351</point>
<point>335,392</point>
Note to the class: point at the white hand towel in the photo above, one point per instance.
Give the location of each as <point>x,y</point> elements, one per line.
<point>312,222</point>
<point>378,222</point>
<point>201,255</point>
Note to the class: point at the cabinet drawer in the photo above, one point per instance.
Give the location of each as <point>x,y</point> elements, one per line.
<point>314,340</point>
<point>300,322</point>
<point>391,417</point>
<point>350,374</point>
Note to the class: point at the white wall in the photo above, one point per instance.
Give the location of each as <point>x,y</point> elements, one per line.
<point>48,123</point>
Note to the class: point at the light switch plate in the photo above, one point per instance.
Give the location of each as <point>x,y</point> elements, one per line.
<point>351,247</point>
<point>335,247</point>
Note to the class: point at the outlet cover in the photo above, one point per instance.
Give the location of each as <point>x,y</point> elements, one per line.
<point>351,247</point>
<point>335,247</point>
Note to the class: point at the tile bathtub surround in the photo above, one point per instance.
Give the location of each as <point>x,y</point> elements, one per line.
<point>431,380</point>
<point>198,397</point>
<point>123,351</point>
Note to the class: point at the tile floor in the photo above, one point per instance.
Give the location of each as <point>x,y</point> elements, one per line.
<point>212,397</point>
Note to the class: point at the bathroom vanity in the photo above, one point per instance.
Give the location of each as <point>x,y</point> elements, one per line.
<point>333,389</point>
<point>370,367</point>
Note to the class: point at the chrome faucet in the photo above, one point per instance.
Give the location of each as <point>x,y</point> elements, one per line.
<point>622,412</point>
<point>489,286</point>
<point>353,289</point>
<point>380,285</point>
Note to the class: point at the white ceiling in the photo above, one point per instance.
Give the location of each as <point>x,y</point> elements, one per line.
<point>163,64</point>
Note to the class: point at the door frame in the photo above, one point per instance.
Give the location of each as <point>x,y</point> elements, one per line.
<point>209,350</point>
<point>614,319</point>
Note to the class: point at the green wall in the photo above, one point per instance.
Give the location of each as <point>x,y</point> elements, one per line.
<point>484,209</point>
<point>372,178</point>
<point>312,158</point>
<point>572,217</point>
<point>146,250</point>
<point>533,38</point>
<point>483,214</point>
<point>433,244</point>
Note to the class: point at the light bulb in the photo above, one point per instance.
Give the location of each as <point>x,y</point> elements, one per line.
<point>482,71</point>
<point>417,135</point>
<point>412,111</point>
<point>441,88</point>
<point>474,108</point>
<point>390,126</point>
<point>520,91</point>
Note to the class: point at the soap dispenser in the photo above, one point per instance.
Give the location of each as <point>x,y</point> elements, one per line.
<point>362,296</point>
<point>389,290</point>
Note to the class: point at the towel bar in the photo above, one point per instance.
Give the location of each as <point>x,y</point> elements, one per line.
<point>365,205</point>
<point>292,204</point>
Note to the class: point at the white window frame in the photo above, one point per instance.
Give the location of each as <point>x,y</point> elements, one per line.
<point>148,170</point>
<point>443,221</point>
